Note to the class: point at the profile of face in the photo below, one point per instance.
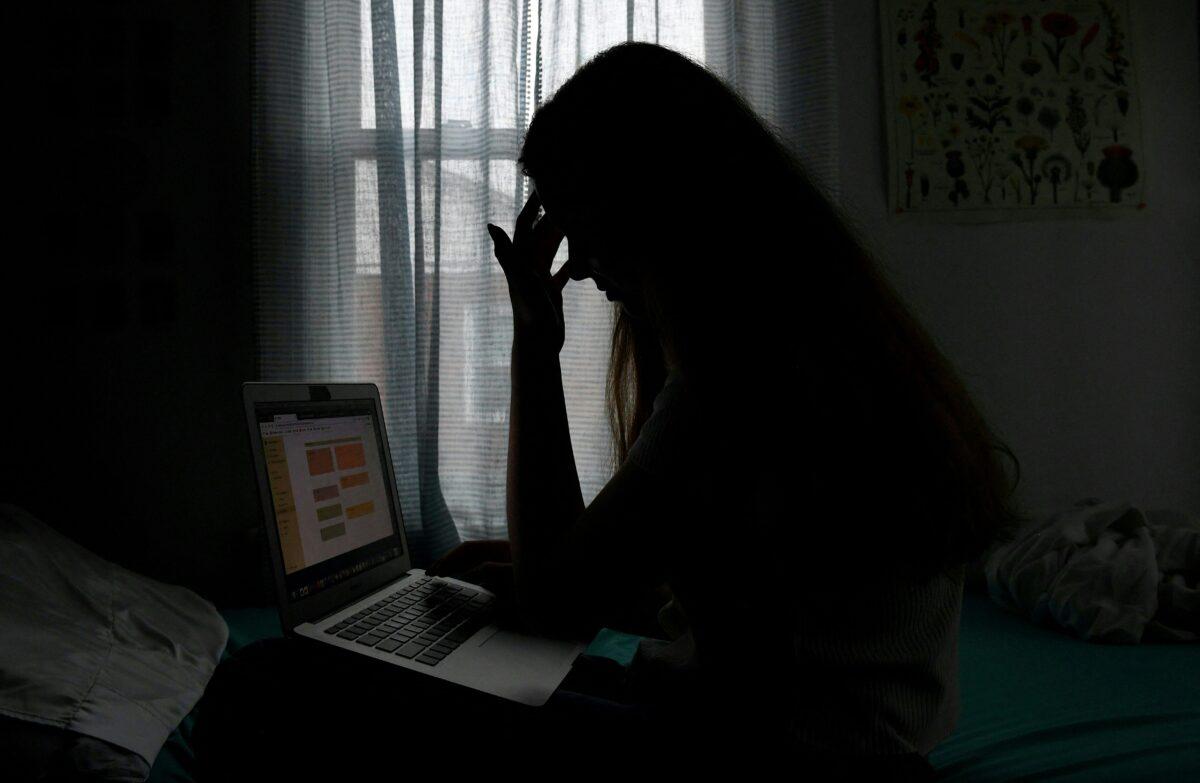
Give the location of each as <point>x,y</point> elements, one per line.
<point>585,258</point>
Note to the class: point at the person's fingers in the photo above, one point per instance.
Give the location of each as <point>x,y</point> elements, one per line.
<point>562,276</point>
<point>501,246</point>
<point>470,554</point>
<point>547,241</point>
<point>500,241</point>
<point>438,567</point>
<point>527,214</point>
<point>490,575</point>
<point>549,237</point>
<point>472,575</point>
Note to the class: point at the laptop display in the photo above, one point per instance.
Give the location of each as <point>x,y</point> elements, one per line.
<point>338,551</point>
<point>333,505</point>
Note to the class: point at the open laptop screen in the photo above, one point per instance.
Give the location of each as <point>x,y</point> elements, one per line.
<point>333,503</point>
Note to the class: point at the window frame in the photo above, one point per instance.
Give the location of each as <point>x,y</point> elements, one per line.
<point>447,142</point>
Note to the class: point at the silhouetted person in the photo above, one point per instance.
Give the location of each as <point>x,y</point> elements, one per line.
<point>801,475</point>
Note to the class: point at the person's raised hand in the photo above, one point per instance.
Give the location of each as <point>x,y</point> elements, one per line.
<point>526,260</point>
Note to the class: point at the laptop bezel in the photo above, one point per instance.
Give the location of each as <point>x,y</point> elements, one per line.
<point>328,601</point>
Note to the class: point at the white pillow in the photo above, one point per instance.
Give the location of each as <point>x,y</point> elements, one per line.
<point>92,647</point>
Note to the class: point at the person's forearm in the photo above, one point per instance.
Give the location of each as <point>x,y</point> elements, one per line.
<point>543,495</point>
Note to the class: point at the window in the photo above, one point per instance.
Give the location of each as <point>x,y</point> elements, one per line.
<point>465,158</point>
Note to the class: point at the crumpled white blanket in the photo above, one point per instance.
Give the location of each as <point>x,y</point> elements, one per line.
<point>1106,572</point>
<point>89,646</point>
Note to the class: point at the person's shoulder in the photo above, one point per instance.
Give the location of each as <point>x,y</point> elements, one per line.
<point>668,441</point>
<point>673,390</point>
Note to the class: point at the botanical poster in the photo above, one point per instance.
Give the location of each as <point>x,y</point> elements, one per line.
<point>1011,110</point>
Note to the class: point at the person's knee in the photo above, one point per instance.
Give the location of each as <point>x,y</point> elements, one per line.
<point>261,696</point>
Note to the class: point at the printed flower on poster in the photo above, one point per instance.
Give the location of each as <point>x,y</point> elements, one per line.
<point>910,105</point>
<point>1122,97</point>
<point>1077,119</point>
<point>1025,106</point>
<point>996,21</point>
<point>1062,26</point>
<point>992,106</point>
<point>1031,146</point>
<point>936,103</point>
<point>1001,141</point>
<point>927,144</point>
<point>1117,171</point>
<point>928,41</point>
<point>968,40</point>
<point>1057,169</point>
<point>982,150</point>
<point>956,170</point>
<point>1049,118</point>
<point>1115,46</point>
<point>1088,37</point>
<point>995,28</point>
<point>1081,134</point>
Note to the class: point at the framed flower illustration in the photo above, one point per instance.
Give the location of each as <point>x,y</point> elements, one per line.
<point>1011,110</point>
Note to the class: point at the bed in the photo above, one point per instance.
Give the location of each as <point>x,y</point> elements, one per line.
<point>1036,702</point>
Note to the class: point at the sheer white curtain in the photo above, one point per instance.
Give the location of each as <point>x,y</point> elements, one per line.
<point>385,136</point>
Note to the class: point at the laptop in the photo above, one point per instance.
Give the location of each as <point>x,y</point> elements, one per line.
<point>341,562</point>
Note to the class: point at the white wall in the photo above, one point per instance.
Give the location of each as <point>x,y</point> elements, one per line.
<point>1080,340</point>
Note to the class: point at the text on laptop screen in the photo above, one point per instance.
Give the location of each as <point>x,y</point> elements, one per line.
<point>333,506</point>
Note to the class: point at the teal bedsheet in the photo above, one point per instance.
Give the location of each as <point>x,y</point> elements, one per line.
<point>1036,703</point>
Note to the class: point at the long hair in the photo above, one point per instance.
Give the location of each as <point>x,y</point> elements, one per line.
<point>788,336</point>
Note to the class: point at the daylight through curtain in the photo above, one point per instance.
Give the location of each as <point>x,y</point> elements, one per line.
<point>385,136</point>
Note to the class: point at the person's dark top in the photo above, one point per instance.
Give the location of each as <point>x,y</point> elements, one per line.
<point>833,664</point>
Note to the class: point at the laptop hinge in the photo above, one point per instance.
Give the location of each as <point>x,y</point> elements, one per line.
<point>342,608</point>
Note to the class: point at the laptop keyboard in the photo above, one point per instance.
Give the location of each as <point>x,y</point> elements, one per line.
<point>424,621</point>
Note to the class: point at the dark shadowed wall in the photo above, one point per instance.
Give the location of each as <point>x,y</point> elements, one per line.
<point>1080,339</point>
<point>137,329</point>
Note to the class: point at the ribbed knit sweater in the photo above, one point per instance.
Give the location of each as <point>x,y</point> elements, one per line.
<point>855,663</point>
